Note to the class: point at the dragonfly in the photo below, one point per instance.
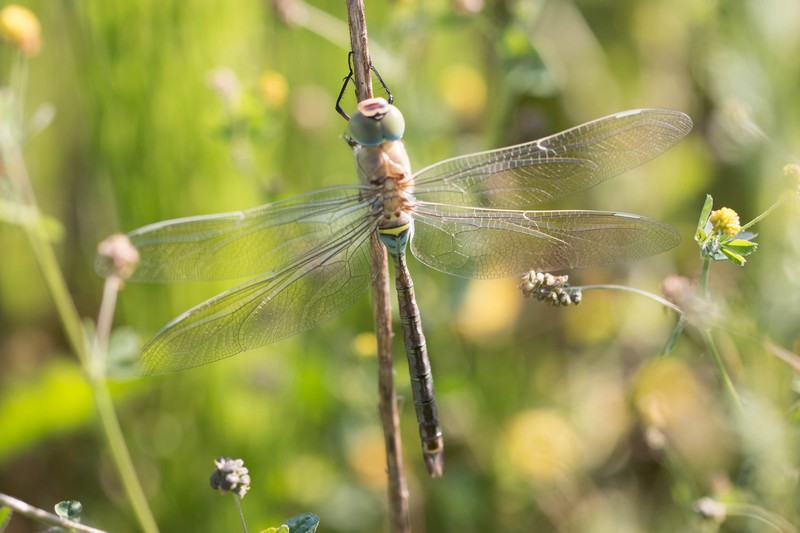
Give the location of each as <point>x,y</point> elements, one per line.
<point>309,257</point>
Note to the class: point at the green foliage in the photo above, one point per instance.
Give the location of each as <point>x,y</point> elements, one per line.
<point>302,523</point>
<point>5,517</point>
<point>39,407</point>
<point>554,419</point>
<point>718,245</point>
<point>70,510</point>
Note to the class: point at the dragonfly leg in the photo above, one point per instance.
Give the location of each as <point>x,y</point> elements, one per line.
<point>383,83</point>
<point>350,77</point>
<point>344,86</point>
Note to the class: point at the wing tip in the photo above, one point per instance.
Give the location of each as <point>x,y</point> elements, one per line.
<point>681,122</point>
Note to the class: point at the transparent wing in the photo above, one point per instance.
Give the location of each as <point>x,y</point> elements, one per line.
<point>527,174</point>
<point>244,243</point>
<point>298,296</point>
<point>488,243</point>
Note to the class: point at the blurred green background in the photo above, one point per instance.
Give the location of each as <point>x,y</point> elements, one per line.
<point>554,419</point>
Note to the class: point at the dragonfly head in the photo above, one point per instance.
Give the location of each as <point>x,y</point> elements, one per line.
<point>375,122</point>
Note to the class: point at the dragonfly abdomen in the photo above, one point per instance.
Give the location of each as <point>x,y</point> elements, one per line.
<point>419,367</point>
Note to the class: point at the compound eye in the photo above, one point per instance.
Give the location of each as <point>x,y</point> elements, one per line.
<point>364,130</point>
<point>393,124</point>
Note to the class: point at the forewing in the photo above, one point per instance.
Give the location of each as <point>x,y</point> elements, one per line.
<point>297,297</point>
<point>243,243</point>
<point>527,174</point>
<point>488,243</point>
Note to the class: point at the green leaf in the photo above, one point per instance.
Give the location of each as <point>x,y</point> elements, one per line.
<point>55,400</point>
<point>741,246</point>
<point>5,517</point>
<point>733,257</point>
<point>303,523</point>
<point>676,333</point>
<point>123,350</point>
<point>282,529</point>
<point>70,509</point>
<point>704,214</point>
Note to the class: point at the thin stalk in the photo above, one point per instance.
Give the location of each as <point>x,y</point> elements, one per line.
<point>711,346</point>
<point>121,457</point>
<point>105,318</point>
<point>101,394</point>
<point>769,210</point>
<point>640,292</point>
<point>775,521</point>
<point>54,279</point>
<point>708,339</point>
<point>679,325</point>
<point>241,514</point>
<point>673,338</point>
<point>397,490</point>
<point>19,82</point>
<point>704,271</point>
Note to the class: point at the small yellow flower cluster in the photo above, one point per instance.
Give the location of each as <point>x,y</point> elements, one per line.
<point>725,220</point>
<point>20,27</point>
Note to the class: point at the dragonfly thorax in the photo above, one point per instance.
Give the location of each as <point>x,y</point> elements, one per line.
<point>387,170</point>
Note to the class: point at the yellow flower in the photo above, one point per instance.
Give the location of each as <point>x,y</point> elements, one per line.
<point>463,89</point>
<point>273,89</point>
<point>542,445</point>
<point>725,220</point>
<point>21,28</point>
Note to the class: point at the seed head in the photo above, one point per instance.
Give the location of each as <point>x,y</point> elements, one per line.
<point>120,254</point>
<point>546,287</point>
<point>230,476</point>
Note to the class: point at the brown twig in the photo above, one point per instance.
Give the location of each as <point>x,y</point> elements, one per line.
<point>22,508</point>
<point>397,489</point>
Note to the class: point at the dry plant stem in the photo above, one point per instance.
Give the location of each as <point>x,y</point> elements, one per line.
<point>784,355</point>
<point>46,258</point>
<point>397,489</point>
<point>382,312</point>
<point>20,507</point>
<point>105,318</point>
<point>357,22</point>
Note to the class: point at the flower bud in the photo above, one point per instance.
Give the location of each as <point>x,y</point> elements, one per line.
<point>20,27</point>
